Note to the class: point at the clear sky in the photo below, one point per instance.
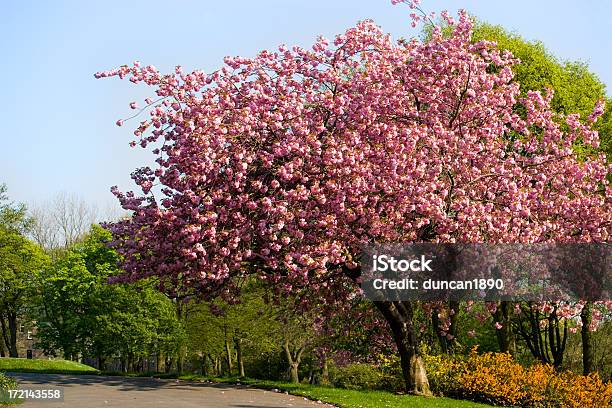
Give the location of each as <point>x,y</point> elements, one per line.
<point>58,131</point>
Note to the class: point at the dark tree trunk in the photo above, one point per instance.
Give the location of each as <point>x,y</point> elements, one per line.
<point>505,335</point>
<point>128,364</point>
<point>556,340</point>
<point>546,344</point>
<point>101,362</point>
<point>399,316</point>
<point>203,364</point>
<point>179,362</point>
<point>447,344</point>
<point>435,324</point>
<point>12,323</point>
<point>586,316</point>
<point>8,322</point>
<point>311,374</point>
<point>454,308</point>
<point>5,335</point>
<point>240,360</point>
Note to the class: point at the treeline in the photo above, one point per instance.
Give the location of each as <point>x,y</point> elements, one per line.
<point>63,293</point>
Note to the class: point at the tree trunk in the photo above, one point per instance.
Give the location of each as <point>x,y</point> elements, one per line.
<point>505,335</point>
<point>228,356</point>
<point>240,360</point>
<point>101,361</point>
<point>546,344</point>
<point>294,360</point>
<point>435,324</point>
<point>399,316</point>
<point>203,363</point>
<point>556,340</point>
<point>447,340</point>
<point>454,308</point>
<point>179,363</point>
<point>130,363</point>
<point>12,323</point>
<point>294,373</point>
<point>5,338</point>
<point>213,364</point>
<point>586,316</point>
<point>325,372</point>
<point>218,365</point>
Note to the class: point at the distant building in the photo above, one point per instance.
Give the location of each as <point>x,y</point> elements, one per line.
<point>26,340</point>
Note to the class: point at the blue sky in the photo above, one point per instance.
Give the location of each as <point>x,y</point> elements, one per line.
<point>58,131</point>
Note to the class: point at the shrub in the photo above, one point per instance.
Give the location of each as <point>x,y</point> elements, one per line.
<point>443,373</point>
<point>356,377</point>
<point>391,370</point>
<point>6,383</point>
<point>498,379</point>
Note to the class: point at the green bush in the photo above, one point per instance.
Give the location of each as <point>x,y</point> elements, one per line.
<point>356,377</point>
<point>7,383</point>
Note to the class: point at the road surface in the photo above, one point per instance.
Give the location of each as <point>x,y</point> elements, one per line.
<point>91,391</point>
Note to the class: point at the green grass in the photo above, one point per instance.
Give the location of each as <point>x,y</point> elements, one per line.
<point>23,365</point>
<point>348,398</point>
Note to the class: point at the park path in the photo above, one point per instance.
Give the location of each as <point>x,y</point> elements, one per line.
<point>92,391</point>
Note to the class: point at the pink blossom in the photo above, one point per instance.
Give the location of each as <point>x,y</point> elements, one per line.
<point>398,153</point>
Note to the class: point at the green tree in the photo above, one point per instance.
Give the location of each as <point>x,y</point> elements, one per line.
<point>576,88</point>
<point>81,314</point>
<point>230,333</point>
<point>20,261</point>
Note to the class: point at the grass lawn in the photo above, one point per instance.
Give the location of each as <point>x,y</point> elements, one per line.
<point>349,398</point>
<point>23,365</point>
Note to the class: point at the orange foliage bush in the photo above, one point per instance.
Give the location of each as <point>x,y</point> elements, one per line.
<point>496,378</point>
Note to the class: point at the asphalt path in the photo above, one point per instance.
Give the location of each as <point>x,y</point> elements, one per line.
<point>92,391</point>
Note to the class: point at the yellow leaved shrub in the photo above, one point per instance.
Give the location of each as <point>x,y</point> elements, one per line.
<point>497,379</point>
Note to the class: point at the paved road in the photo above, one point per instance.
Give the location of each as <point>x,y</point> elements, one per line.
<point>89,391</point>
